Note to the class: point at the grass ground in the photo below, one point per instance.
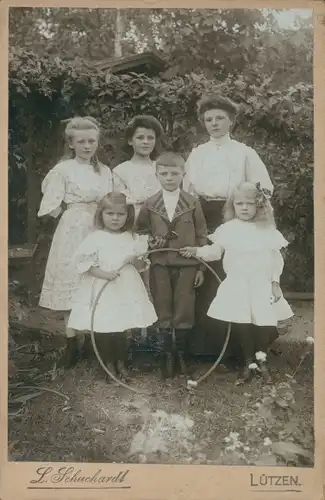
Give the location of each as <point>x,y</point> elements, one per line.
<point>101,422</point>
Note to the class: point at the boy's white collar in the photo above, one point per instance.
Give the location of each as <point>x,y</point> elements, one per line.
<point>171,193</point>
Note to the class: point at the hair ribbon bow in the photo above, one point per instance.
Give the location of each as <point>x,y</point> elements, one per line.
<point>263,194</point>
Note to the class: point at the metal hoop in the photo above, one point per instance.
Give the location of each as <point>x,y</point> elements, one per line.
<point>92,333</point>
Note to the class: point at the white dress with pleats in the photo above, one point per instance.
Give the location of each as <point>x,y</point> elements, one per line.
<point>80,188</point>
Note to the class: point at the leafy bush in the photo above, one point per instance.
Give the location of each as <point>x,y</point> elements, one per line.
<point>279,125</point>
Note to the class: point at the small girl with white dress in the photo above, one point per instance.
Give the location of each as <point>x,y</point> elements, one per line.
<point>108,254</point>
<point>250,297</point>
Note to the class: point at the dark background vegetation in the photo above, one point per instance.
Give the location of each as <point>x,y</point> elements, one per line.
<point>244,54</point>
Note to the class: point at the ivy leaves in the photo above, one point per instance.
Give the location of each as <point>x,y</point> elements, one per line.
<point>277,124</point>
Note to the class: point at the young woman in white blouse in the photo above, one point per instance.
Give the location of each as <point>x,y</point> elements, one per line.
<point>213,170</point>
<point>78,182</point>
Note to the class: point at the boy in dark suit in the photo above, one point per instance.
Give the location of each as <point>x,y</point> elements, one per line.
<point>173,219</point>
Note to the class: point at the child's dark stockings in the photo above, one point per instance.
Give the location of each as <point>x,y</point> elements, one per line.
<point>113,349</point>
<point>251,339</point>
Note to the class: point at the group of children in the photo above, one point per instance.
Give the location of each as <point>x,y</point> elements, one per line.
<point>140,239</point>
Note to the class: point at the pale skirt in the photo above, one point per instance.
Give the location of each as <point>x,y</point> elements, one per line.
<point>245,300</point>
<point>61,277</point>
<point>124,304</point>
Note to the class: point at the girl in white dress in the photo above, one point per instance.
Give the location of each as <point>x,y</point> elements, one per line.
<point>78,182</point>
<point>109,254</point>
<point>250,297</point>
<point>139,173</point>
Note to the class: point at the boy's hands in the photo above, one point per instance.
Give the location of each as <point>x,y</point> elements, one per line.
<point>188,252</point>
<point>276,291</point>
<point>199,278</point>
<point>155,242</point>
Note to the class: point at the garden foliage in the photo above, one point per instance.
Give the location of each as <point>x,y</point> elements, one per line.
<point>278,124</point>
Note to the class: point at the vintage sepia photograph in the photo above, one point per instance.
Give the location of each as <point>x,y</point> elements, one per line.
<point>161,236</point>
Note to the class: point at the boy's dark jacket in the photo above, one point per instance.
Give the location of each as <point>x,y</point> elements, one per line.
<point>188,223</point>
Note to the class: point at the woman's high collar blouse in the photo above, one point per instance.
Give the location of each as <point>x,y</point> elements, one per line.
<point>215,168</point>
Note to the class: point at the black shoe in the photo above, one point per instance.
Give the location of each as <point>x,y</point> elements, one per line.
<point>112,368</point>
<point>72,352</point>
<point>265,374</point>
<point>122,371</point>
<point>245,373</point>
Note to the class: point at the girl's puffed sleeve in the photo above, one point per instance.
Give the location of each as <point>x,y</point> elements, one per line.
<point>119,185</point>
<point>214,251</point>
<point>140,244</point>
<point>53,190</point>
<point>140,247</point>
<point>86,255</point>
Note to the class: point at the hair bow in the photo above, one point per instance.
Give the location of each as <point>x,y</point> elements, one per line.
<point>263,194</point>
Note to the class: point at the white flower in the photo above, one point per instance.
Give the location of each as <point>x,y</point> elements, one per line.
<point>267,441</point>
<point>246,448</point>
<point>234,436</point>
<point>260,356</point>
<point>227,440</point>
<point>252,366</point>
<point>310,340</point>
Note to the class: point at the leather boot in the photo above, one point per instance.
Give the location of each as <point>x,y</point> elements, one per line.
<point>245,374</point>
<point>71,353</point>
<point>265,373</point>
<point>105,343</point>
<point>168,349</point>
<point>182,363</point>
<point>121,355</point>
<point>181,343</point>
<point>159,349</point>
<point>164,344</point>
<point>87,350</point>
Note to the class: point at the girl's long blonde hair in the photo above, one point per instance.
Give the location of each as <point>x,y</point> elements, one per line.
<point>264,212</point>
<point>80,123</point>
